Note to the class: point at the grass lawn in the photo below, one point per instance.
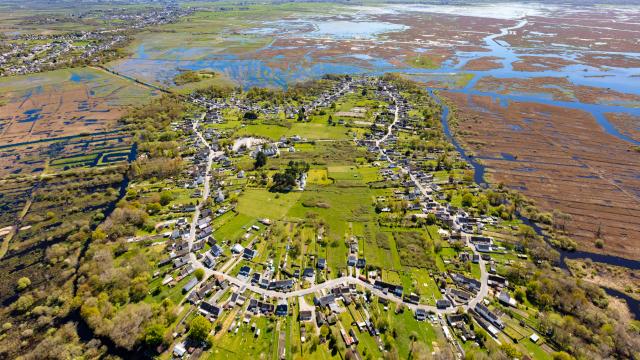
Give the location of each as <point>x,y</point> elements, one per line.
<point>318,177</point>
<point>234,228</point>
<point>429,291</point>
<point>309,131</point>
<point>244,344</point>
<point>405,324</point>
<point>337,207</point>
<point>260,203</point>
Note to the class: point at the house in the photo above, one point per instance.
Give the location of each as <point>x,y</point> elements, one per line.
<point>237,249</point>
<point>257,306</point>
<point>308,273</point>
<point>497,281</point>
<point>305,315</point>
<point>255,278</point>
<point>534,338</point>
<point>181,261</point>
<point>216,250</point>
<point>386,287</point>
<point>460,295</point>
<point>462,281</point>
<point>489,315</point>
<point>504,298</point>
<point>208,261</point>
<point>167,280</point>
<point>412,299</point>
<point>453,319</point>
<point>352,260</point>
<point>211,309</point>
<point>179,350</point>
<point>322,263</point>
<point>443,303</point>
<point>249,254</point>
<point>244,271</point>
<point>282,309</point>
<point>281,285</point>
<point>197,246</point>
<point>483,248</point>
<point>205,290</point>
<point>324,301</point>
<point>190,285</point>
<point>361,263</point>
<point>478,239</point>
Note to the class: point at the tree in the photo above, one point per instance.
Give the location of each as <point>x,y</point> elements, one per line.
<point>467,200</point>
<point>561,355</point>
<point>261,160</point>
<point>154,208</point>
<point>250,115</point>
<point>294,251</point>
<point>324,331</point>
<point>199,273</point>
<point>199,328</point>
<point>23,283</point>
<point>526,232</point>
<point>154,335</point>
<point>165,198</point>
<point>431,219</point>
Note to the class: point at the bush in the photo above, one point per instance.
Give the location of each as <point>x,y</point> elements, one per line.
<point>23,283</point>
<point>23,304</point>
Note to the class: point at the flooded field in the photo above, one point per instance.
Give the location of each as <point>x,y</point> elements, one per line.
<point>64,119</point>
<point>559,83</point>
<point>63,103</point>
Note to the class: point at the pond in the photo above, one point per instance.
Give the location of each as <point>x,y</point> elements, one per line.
<point>353,29</point>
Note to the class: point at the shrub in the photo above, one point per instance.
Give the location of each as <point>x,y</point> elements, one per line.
<point>23,283</point>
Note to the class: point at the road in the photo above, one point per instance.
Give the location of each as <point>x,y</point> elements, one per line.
<point>390,127</point>
<point>207,184</point>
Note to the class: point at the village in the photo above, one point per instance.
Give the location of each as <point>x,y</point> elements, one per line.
<point>235,287</point>
<point>26,53</point>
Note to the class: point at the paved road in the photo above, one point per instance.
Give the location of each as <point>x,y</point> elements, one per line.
<point>390,127</point>
<point>207,183</point>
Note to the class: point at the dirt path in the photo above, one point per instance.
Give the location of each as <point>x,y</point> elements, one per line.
<point>226,324</point>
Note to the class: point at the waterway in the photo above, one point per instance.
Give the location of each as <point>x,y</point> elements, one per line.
<point>251,70</point>
<point>479,171</point>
